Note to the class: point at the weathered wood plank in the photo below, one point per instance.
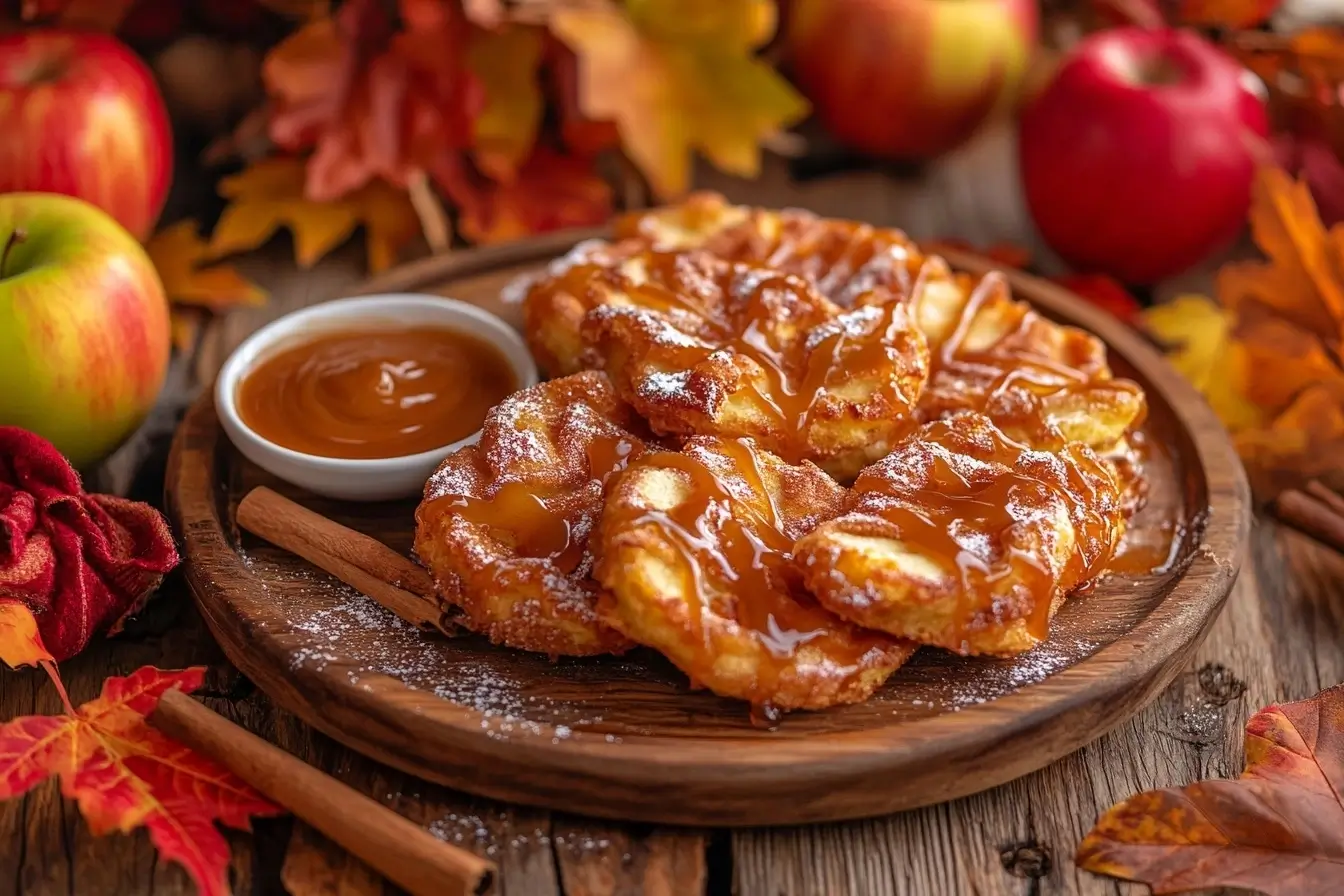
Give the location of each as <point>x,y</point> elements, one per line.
<point>600,859</point>
<point>1277,639</point>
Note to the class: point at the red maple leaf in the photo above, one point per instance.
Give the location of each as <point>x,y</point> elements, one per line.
<point>550,192</point>
<point>125,774</point>
<point>373,97</point>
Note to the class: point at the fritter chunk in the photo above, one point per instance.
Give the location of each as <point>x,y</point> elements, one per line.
<point>965,539</point>
<point>843,260</point>
<point>694,552</point>
<point>1041,382</point>
<point>505,524</point>
<point>703,347</point>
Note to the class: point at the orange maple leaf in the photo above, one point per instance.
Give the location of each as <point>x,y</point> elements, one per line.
<point>1303,278</point>
<point>20,642</point>
<point>677,76</point>
<point>270,194</point>
<point>179,255</point>
<point>550,192</point>
<point>371,100</point>
<point>1279,828</point>
<point>125,774</point>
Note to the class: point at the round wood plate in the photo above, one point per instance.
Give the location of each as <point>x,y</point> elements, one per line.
<point>625,738</point>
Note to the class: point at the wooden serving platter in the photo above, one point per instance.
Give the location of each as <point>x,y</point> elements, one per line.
<point>626,738</point>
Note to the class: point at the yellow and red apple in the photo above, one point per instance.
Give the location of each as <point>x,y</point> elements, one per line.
<point>910,79</point>
<point>84,334</point>
<point>80,115</point>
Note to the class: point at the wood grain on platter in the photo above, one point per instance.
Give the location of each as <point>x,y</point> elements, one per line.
<point>625,737</point>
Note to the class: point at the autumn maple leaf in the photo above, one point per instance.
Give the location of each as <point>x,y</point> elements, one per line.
<point>270,195</point>
<point>677,76</point>
<point>1267,356</point>
<point>1279,828</point>
<point>549,192</point>
<point>125,774</point>
<point>373,97</point>
<point>193,286</point>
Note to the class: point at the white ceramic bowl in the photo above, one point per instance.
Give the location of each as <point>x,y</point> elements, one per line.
<point>358,480</point>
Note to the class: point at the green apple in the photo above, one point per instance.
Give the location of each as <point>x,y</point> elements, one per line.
<point>84,331</point>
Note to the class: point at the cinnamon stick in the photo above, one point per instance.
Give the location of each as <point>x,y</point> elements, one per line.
<point>397,848</point>
<point>1312,515</point>
<point>362,562</point>
<point>1322,492</point>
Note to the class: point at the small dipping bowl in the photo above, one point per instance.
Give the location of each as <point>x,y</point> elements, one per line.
<point>374,479</point>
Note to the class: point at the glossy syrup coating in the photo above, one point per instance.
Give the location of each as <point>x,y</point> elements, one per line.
<point>842,260</point>
<point>699,346</point>
<point>505,525</point>
<point>695,556</point>
<point>1041,382</point>
<point>966,539</point>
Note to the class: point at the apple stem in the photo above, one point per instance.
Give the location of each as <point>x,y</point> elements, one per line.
<point>18,236</point>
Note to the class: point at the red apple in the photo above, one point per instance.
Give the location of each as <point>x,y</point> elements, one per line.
<point>80,115</point>
<point>84,339</point>
<point>1137,159</point>
<point>909,79</point>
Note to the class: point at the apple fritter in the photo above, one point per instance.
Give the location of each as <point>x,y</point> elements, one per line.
<point>555,303</point>
<point>1041,382</point>
<point>966,539</point>
<point>505,524</point>
<point>694,554</point>
<point>704,347</point>
<point>843,260</point>
<point>1045,383</point>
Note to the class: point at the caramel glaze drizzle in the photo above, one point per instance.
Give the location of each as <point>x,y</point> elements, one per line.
<point>735,558</point>
<point>529,517</point>
<point>1004,529</point>
<point>743,309</point>
<point>1008,380</point>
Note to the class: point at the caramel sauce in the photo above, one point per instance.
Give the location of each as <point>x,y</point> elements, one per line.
<point>379,394</point>
<point>533,520</point>
<point>1151,551</point>
<point>962,523</point>
<point>735,563</point>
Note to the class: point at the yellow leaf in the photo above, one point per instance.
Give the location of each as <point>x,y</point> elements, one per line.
<point>186,324</point>
<point>178,251</point>
<point>1198,336</point>
<point>506,63</point>
<point>269,195</point>
<point>739,24</point>
<point>676,77</point>
<point>1303,279</point>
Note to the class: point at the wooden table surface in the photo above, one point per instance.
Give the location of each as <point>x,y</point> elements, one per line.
<point>1280,637</point>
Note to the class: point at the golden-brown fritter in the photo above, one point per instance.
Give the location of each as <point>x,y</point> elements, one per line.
<point>842,259</point>
<point>1045,383</point>
<point>704,347</point>
<point>505,524</point>
<point>1041,382</point>
<point>555,302</point>
<point>694,554</point>
<point>965,539</point>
